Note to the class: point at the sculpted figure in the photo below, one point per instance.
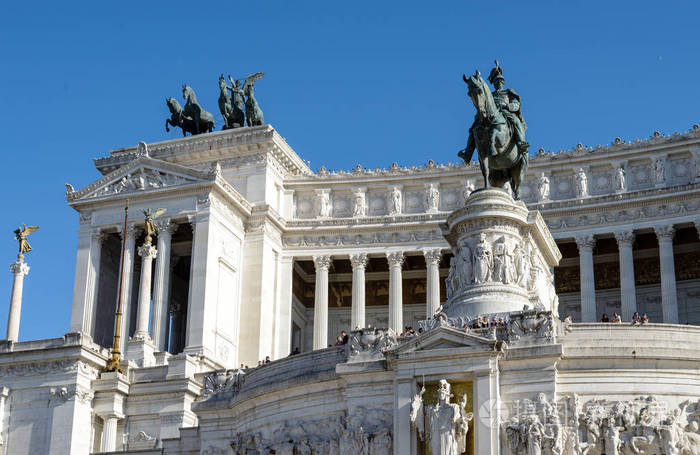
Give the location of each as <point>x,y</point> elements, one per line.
<point>483,261</point>
<point>503,263</point>
<point>433,197</point>
<point>444,425</point>
<point>467,190</point>
<point>543,187</point>
<point>535,434</point>
<point>359,204</point>
<point>21,234</point>
<point>659,171</point>
<point>611,437</point>
<point>253,113</point>
<point>381,443</point>
<point>522,266</point>
<point>452,280</point>
<point>464,265</point>
<point>323,204</point>
<point>395,206</point>
<point>352,442</point>
<point>620,185</point>
<point>203,120</point>
<point>498,132</point>
<point>303,448</point>
<point>581,183</point>
<point>231,111</point>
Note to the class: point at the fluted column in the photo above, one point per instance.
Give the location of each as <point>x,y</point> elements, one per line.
<point>129,243</point>
<point>147,252</point>
<point>161,285</point>
<point>109,433</point>
<point>432,292</point>
<point>395,259</point>
<point>322,263</point>
<point>628,296</point>
<point>18,270</point>
<point>669,299</point>
<point>357,318</point>
<point>585,245</point>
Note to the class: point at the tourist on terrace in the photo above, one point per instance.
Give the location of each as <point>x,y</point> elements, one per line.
<point>645,319</point>
<point>295,351</point>
<point>616,318</point>
<point>420,330</point>
<point>501,322</point>
<point>339,341</point>
<point>259,363</point>
<point>636,319</point>
<point>344,334</point>
<point>267,359</point>
<point>568,319</point>
<point>605,318</point>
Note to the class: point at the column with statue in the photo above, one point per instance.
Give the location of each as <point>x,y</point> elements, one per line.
<point>18,269</point>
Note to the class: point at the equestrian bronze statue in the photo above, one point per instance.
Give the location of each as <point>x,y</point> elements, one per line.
<point>498,132</point>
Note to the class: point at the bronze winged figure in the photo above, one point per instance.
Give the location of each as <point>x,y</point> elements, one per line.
<point>21,234</point>
<point>151,228</point>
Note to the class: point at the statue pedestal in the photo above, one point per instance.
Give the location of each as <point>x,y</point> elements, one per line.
<point>503,254</point>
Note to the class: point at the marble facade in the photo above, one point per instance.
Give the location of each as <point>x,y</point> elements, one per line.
<point>257,255</point>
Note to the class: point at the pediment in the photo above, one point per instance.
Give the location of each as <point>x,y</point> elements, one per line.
<point>446,338</point>
<point>142,174</point>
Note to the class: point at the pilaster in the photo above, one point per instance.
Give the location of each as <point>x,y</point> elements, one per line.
<point>87,272</point>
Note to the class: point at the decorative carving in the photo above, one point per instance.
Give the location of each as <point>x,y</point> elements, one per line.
<point>581,183</point>
<point>443,426</point>
<point>358,260</point>
<point>432,197</point>
<point>532,326</point>
<point>140,180</point>
<point>665,233</point>
<point>660,171</point>
<point>222,381</point>
<point>395,201</point>
<point>585,243</point>
<point>483,260</point>
<point>542,187</point>
<point>322,262</point>
<point>432,256</point>
<point>620,183</point>
<point>359,202</point>
<point>366,345</point>
<point>535,428</point>
<point>322,203</point>
<point>395,258</point>
<point>624,238</point>
<point>147,251</point>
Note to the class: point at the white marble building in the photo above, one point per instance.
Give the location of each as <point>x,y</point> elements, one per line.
<point>258,255</point>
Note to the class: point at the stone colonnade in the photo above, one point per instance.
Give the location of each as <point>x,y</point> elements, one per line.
<point>359,263</point>
<point>628,299</point>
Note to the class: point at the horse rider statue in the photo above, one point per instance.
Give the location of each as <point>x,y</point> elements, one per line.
<point>508,103</point>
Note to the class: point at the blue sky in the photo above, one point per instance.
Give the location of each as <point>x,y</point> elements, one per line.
<point>346,83</point>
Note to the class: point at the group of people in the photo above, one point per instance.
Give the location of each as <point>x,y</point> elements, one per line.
<point>482,322</point>
<point>616,318</point>
<point>409,332</point>
<point>260,363</point>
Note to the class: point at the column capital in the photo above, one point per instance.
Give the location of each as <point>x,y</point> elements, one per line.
<point>624,238</point>
<point>166,227</point>
<point>97,235</point>
<point>131,230</point>
<point>395,258</point>
<point>665,233</point>
<point>359,260</point>
<point>432,256</point>
<point>322,262</point>
<point>19,267</point>
<point>147,251</point>
<point>585,242</point>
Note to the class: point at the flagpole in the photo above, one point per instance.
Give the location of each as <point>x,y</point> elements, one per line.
<point>114,363</point>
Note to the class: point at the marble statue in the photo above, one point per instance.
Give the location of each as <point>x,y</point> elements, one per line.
<point>521,266</point>
<point>443,426</point>
<point>659,171</point>
<point>464,265</point>
<point>21,234</point>
<point>359,204</point>
<point>253,113</point>
<point>323,204</point>
<point>467,190</point>
<point>395,203</point>
<point>620,185</point>
<point>581,181</point>
<point>483,261</point>
<point>502,263</point>
<point>452,280</point>
<point>433,197</point>
<point>498,132</point>
<point>543,187</point>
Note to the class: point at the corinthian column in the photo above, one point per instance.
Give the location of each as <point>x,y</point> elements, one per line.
<point>359,262</point>
<point>322,263</point>
<point>628,296</point>
<point>18,270</point>
<point>432,292</point>
<point>395,259</point>
<point>585,248</point>
<point>161,285</point>
<point>669,299</point>
<point>129,241</point>
<point>147,252</point>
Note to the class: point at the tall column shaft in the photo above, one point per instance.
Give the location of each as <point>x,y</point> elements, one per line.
<point>628,295</point>
<point>669,297</point>
<point>129,240</point>
<point>18,269</point>
<point>432,292</point>
<point>357,317</point>
<point>147,253</point>
<point>161,286</point>
<point>322,264</point>
<point>109,434</point>
<point>395,259</point>
<point>87,274</point>
<point>588,306</point>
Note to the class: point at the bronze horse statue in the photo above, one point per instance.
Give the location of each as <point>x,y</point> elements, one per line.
<point>231,111</point>
<point>178,119</point>
<point>203,120</point>
<point>493,137</point>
